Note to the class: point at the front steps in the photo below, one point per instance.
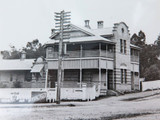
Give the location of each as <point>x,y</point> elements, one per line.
<point>104,92</point>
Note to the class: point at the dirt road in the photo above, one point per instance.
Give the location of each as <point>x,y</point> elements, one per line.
<point>137,106</point>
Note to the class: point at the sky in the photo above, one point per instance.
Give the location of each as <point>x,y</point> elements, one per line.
<point>22,21</point>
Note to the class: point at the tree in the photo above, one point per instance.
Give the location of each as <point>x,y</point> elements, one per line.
<point>148,57</point>
<point>139,39</point>
<point>33,49</point>
<point>157,42</point>
<point>152,73</point>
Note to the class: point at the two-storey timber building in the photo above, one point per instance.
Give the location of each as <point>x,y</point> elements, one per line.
<point>103,57</point>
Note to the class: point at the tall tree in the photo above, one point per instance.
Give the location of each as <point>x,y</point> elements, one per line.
<point>33,49</point>
<point>139,39</point>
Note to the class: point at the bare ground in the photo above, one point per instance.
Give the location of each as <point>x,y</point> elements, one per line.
<point>135,106</point>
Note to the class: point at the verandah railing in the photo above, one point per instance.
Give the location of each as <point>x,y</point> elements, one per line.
<point>84,53</point>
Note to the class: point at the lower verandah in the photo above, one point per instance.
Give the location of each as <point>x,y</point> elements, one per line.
<point>74,78</point>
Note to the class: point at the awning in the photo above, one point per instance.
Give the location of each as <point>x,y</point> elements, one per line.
<point>37,68</point>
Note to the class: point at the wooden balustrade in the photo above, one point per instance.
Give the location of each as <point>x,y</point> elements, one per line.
<point>74,84</point>
<point>85,53</point>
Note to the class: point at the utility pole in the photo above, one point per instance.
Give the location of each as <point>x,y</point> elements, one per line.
<point>62,25</point>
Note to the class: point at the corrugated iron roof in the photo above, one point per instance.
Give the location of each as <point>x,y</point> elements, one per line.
<point>16,64</point>
<point>103,31</point>
<point>134,46</point>
<point>81,39</point>
<point>37,68</point>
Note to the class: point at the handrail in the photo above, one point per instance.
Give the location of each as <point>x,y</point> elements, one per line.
<point>85,53</point>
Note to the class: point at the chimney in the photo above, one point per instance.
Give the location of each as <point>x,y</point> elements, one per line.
<point>87,24</point>
<point>100,24</point>
<point>23,55</point>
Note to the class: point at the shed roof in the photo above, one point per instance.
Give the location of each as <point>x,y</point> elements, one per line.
<point>37,68</point>
<point>134,46</point>
<point>16,64</point>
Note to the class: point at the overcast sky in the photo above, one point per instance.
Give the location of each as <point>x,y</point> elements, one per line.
<point>24,20</point>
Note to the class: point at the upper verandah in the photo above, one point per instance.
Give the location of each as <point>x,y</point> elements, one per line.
<point>86,34</point>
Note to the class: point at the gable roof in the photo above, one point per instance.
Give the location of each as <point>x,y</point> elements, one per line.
<point>82,29</point>
<point>16,64</point>
<point>93,35</point>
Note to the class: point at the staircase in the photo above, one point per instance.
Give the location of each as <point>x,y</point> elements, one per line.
<point>114,93</point>
<point>103,92</point>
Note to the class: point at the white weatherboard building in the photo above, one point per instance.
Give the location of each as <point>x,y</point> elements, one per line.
<point>96,61</point>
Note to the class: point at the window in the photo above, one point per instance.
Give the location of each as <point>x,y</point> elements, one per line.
<point>123,76</point>
<point>122,30</point>
<point>122,46</point>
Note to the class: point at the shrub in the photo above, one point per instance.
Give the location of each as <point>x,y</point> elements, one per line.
<point>17,84</point>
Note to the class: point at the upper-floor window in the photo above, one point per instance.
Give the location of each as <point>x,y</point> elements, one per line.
<point>123,46</point>
<point>122,30</point>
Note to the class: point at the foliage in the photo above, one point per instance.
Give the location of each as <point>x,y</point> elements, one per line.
<point>152,73</point>
<point>149,63</point>
<point>2,85</point>
<point>33,49</point>
<point>17,84</point>
<point>157,42</point>
<point>139,39</point>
